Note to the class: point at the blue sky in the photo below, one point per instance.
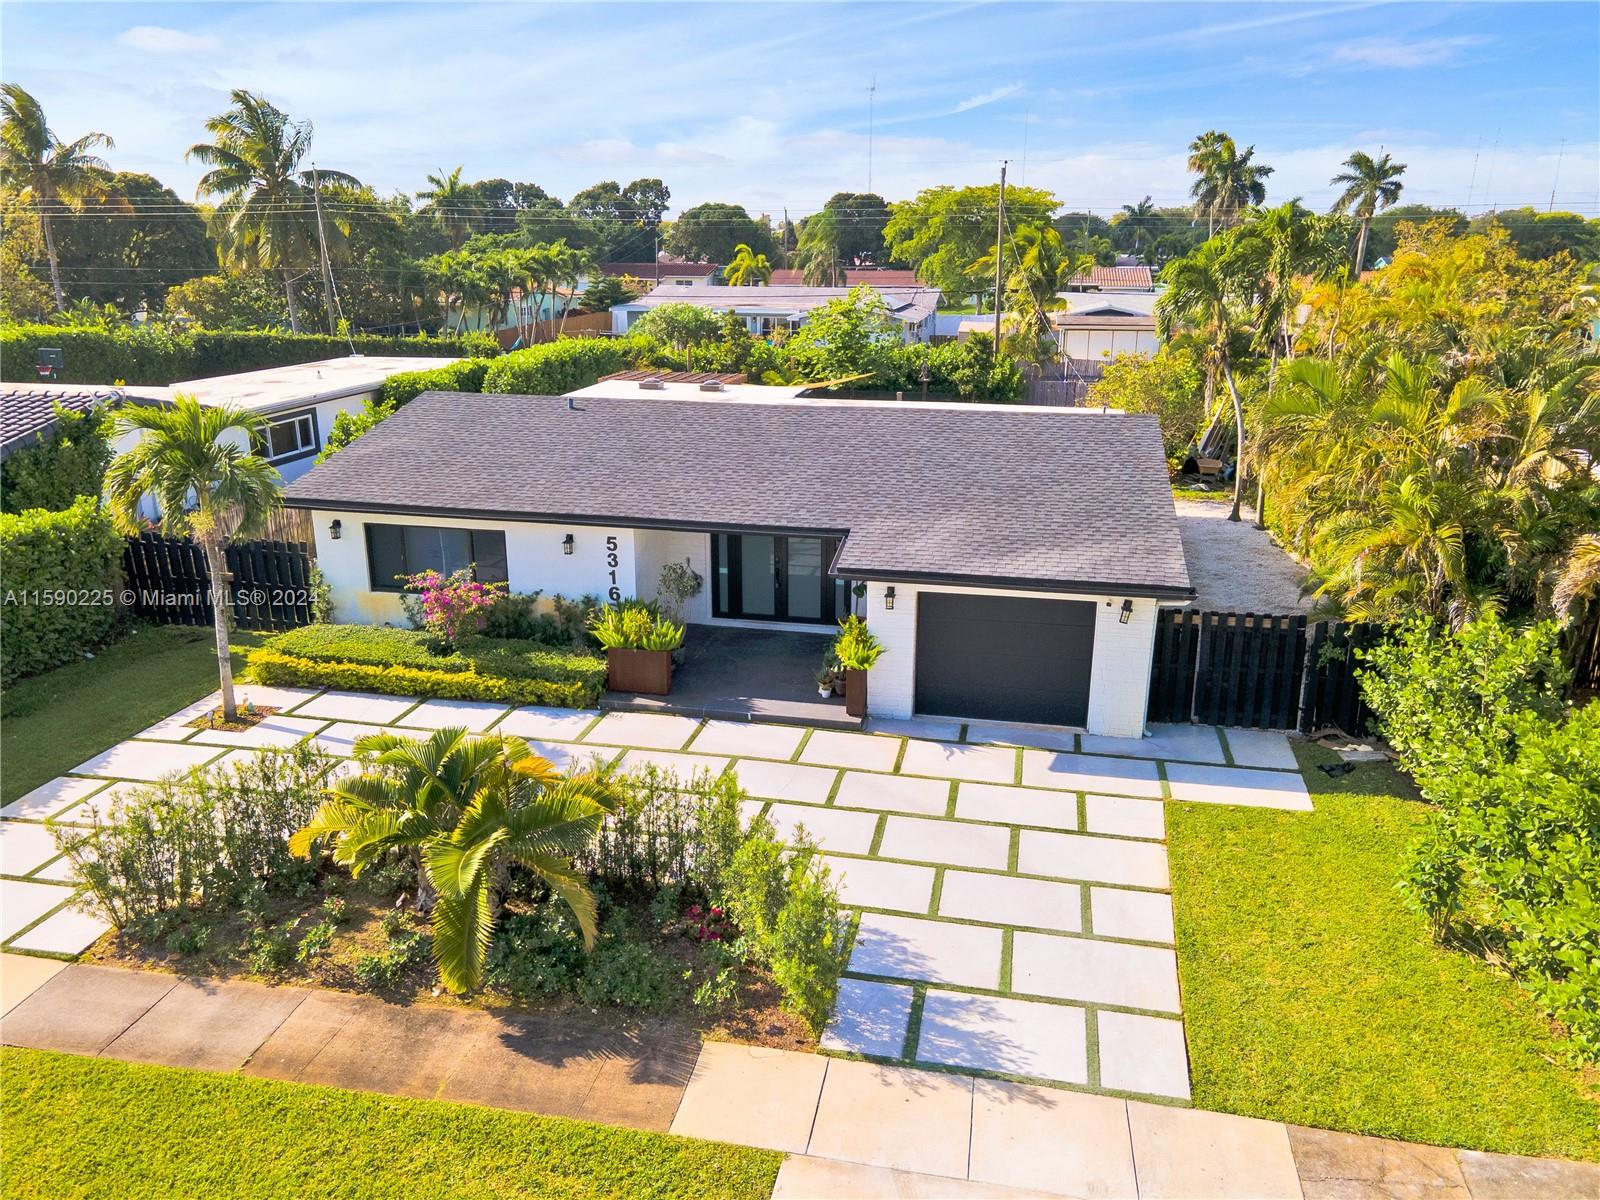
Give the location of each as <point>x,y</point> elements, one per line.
<point>767,104</point>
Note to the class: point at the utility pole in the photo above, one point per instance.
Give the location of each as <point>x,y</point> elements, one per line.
<point>999,255</point>
<point>1554,183</point>
<point>872,95</point>
<point>322,241</point>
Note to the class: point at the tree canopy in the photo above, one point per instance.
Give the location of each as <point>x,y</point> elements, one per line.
<point>944,231</point>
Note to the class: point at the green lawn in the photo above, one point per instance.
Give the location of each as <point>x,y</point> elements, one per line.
<point>52,722</point>
<point>1311,995</point>
<point>94,1127</point>
<point>1223,494</point>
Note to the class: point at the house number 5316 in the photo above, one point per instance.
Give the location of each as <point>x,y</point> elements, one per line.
<point>614,592</point>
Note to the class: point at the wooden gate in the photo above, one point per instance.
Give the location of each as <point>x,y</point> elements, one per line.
<point>170,585</point>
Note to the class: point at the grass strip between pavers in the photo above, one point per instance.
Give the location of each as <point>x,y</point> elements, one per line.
<point>96,1127</point>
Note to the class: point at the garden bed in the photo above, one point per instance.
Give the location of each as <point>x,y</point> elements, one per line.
<point>407,662</point>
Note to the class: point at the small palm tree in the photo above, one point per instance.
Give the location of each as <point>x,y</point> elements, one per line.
<point>465,808</point>
<point>1229,180</point>
<point>53,175</point>
<point>1138,217</point>
<point>1207,293</point>
<point>818,253</point>
<point>267,214</point>
<point>197,463</point>
<point>1370,185</point>
<point>748,269</point>
<point>452,203</point>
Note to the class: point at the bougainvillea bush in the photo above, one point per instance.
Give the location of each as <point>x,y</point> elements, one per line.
<point>454,607</point>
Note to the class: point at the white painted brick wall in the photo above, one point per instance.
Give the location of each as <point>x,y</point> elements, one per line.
<point>1119,679</point>
<point>654,548</point>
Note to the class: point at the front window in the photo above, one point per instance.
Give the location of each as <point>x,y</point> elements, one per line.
<point>397,550</point>
<point>290,437</point>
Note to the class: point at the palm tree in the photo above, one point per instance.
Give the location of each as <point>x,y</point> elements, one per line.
<point>53,175</point>
<point>1138,217</point>
<point>1206,293</point>
<point>1229,181</point>
<point>267,216</point>
<point>818,254</point>
<point>452,203</point>
<point>1370,185</point>
<point>196,461</point>
<point>1042,267</point>
<point>747,269</point>
<point>465,808</point>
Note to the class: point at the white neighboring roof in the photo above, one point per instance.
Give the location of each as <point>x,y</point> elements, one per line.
<point>625,389</point>
<point>301,384</point>
<point>1141,304</point>
<point>908,305</point>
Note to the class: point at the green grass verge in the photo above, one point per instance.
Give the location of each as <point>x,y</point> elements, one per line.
<point>52,722</point>
<point>94,1127</point>
<point>1223,494</point>
<point>1312,995</point>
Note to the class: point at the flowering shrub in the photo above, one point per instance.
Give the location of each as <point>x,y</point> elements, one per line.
<point>454,606</point>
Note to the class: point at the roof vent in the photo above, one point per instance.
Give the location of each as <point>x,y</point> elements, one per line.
<point>713,385</point>
<point>652,385</point>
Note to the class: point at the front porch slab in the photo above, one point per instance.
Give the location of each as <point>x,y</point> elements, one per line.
<point>1251,787</point>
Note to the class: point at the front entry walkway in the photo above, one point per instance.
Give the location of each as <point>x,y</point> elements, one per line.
<point>735,674</point>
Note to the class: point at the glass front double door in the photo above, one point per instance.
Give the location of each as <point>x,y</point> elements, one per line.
<point>768,577</point>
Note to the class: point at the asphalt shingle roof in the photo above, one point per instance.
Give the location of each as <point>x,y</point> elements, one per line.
<point>1058,499</point>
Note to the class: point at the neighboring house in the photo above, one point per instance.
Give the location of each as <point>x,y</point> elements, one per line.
<point>1099,336</point>
<point>689,385</point>
<point>29,411</point>
<point>300,401</point>
<point>1013,558</point>
<point>871,276</point>
<point>523,310</point>
<point>783,308</point>
<point>665,272</point>
<point>1113,279</point>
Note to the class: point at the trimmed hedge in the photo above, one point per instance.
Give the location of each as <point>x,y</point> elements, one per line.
<point>557,367</point>
<point>63,571</point>
<point>400,662</point>
<point>465,376</point>
<point>161,355</point>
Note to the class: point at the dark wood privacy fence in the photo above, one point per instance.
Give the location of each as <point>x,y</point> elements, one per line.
<point>168,582</point>
<point>1256,670</point>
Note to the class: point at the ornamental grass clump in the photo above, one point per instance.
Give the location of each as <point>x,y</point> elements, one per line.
<point>455,606</point>
<point>634,625</point>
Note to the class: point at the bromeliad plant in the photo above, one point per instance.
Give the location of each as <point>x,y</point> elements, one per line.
<point>634,625</point>
<point>454,607</point>
<point>856,649</point>
<point>466,808</point>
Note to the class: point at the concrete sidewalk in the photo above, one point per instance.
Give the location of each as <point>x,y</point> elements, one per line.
<point>851,1128</point>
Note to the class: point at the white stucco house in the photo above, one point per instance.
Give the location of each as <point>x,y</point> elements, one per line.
<point>779,308</point>
<point>1013,558</point>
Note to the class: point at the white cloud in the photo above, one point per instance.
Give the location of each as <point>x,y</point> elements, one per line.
<point>157,39</point>
<point>1403,54</point>
<point>989,97</point>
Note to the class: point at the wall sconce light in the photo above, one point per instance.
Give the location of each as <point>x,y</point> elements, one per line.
<point>566,544</point>
<point>888,597</point>
<point>336,530</point>
<point>1127,612</point>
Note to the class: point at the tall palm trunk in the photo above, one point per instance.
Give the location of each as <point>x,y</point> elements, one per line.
<point>1238,429</point>
<point>217,568</point>
<point>288,294</point>
<point>50,253</point>
<point>1361,245</point>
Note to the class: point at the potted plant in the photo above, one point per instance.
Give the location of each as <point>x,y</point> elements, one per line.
<point>856,650</point>
<point>830,680</point>
<point>638,642</point>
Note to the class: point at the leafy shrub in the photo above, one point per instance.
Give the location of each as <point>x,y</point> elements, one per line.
<point>315,942</point>
<point>348,426</point>
<point>668,833</point>
<point>554,368</point>
<point>201,839</point>
<point>634,625</point>
<point>62,572</point>
<point>519,616</point>
<point>403,949</point>
<point>1171,386</point>
<point>70,461</point>
<point>856,648</point>
<point>810,941</point>
<point>621,970</point>
<point>464,376</point>
<point>756,885</point>
<point>536,954</point>
<point>269,949</point>
<point>454,606</point>
<point>400,662</point>
<point>158,355</point>
<point>1511,854</point>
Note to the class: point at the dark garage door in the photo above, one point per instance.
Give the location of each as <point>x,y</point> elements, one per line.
<point>1004,658</point>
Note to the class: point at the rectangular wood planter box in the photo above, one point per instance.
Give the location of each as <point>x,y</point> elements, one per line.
<point>855,693</point>
<point>648,672</point>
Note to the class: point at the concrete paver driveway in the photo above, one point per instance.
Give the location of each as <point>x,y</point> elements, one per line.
<point>1015,915</point>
